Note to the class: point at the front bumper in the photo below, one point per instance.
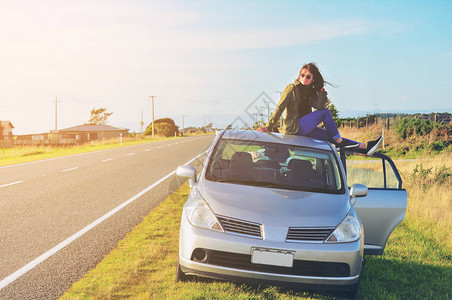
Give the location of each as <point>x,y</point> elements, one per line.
<point>236,264</point>
<point>190,267</point>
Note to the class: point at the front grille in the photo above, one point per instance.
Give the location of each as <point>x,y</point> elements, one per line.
<point>298,234</point>
<point>300,267</point>
<point>240,227</point>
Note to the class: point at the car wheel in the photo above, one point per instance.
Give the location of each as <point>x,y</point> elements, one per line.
<point>180,276</point>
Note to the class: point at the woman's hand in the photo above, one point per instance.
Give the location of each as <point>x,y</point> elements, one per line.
<point>262,129</point>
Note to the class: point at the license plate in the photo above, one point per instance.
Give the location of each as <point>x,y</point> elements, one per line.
<point>272,257</point>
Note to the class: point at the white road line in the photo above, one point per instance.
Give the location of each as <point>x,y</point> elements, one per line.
<point>159,147</point>
<point>14,276</point>
<point>70,169</point>
<point>72,155</point>
<point>130,154</point>
<point>147,150</point>
<point>12,183</point>
<point>108,159</point>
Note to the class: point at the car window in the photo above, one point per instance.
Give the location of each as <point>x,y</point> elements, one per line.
<point>275,165</point>
<point>372,172</point>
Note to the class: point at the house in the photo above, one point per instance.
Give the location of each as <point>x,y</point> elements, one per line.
<point>87,133</point>
<point>6,130</point>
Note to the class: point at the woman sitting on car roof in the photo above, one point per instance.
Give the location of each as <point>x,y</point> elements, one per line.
<point>298,99</point>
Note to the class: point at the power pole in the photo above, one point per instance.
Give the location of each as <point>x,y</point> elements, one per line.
<point>141,123</point>
<point>56,113</point>
<point>268,110</point>
<point>281,117</point>
<point>153,132</point>
<point>262,108</point>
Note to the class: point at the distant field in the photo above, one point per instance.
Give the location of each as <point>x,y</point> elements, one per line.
<point>9,156</point>
<point>417,263</point>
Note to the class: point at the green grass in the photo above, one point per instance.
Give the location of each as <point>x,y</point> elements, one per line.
<point>143,266</point>
<point>414,266</point>
<point>9,156</point>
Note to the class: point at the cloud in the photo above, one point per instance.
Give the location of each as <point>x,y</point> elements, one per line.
<point>114,54</point>
<point>57,31</point>
<point>90,26</point>
<point>205,39</point>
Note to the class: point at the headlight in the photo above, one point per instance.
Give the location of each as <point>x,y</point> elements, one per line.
<point>348,230</point>
<point>199,213</point>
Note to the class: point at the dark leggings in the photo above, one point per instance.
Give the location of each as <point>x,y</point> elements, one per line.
<point>308,126</point>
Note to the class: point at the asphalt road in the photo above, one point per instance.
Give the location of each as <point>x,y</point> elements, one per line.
<point>58,217</point>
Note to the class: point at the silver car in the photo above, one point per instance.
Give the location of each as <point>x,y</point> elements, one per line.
<point>277,209</point>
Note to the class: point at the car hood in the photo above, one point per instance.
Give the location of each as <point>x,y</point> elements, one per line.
<point>275,207</point>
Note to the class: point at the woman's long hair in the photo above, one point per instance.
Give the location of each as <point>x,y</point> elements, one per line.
<point>318,82</point>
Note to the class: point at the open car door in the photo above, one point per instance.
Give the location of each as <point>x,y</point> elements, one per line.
<point>382,210</point>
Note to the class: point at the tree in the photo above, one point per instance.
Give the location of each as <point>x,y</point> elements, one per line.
<point>335,114</point>
<point>163,127</point>
<point>208,127</point>
<point>99,116</point>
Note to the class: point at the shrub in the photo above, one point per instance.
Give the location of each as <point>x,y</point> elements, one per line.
<point>407,127</point>
<point>439,145</point>
<point>163,127</point>
<point>425,178</point>
<point>420,176</point>
<point>443,175</point>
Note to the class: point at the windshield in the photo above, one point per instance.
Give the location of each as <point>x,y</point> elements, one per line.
<point>274,165</point>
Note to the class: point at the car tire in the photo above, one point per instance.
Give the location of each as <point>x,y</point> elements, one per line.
<point>180,276</point>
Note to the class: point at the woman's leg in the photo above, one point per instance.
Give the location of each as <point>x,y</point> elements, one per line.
<point>322,134</point>
<point>309,122</point>
<point>308,127</point>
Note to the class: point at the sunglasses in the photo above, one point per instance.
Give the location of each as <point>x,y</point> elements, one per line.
<point>307,76</point>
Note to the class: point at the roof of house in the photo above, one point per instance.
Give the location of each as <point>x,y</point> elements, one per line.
<point>4,123</point>
<point>91,128</point>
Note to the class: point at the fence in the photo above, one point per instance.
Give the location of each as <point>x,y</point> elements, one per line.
<point>389,121</point>
<point>59,139</point>
<point>35,140</point>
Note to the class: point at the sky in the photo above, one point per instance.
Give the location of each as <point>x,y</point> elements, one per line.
<point>223,62</point>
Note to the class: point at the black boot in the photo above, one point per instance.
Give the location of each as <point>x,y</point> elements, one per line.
<point>347,144</point>
<point>371,146</point>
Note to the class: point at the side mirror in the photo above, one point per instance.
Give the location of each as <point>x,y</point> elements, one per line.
<point>357,190</point>
<point>189,172</point>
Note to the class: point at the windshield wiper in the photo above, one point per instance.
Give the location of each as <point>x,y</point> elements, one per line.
<point>252,182</point>
<point>267,184</point>
<point>232,180</point>
<point>278,186</point>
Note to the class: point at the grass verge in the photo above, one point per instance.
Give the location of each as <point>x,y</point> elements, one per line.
<point>414,266</point>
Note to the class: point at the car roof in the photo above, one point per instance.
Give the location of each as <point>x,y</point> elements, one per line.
<point>276,138</point>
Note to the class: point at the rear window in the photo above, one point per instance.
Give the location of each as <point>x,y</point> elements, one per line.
<point>275,165</point>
